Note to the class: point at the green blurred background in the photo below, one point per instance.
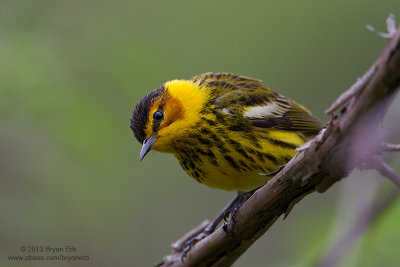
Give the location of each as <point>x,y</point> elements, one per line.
<point>71,73</point>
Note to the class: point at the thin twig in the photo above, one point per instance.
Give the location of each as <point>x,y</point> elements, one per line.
<point>358,85</point>
<point>354,90</point>
<point>387,147</point>
<point>390,26</point>
<point>384,169</point>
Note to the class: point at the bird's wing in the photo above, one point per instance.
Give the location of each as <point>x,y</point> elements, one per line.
<point>250,99</point>
<point>284,114</point>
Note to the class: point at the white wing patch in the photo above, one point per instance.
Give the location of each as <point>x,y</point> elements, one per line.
<point>272,109</point>
<point>225,110</point>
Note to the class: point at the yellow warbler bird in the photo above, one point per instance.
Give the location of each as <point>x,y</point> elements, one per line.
<point>224,129</point>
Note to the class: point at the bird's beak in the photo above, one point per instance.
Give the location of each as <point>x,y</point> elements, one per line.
<point>146,147</point>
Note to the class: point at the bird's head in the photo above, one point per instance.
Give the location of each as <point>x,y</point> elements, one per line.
<point>165,114</point>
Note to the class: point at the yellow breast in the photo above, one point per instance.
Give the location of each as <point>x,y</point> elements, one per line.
<point>236,164</point>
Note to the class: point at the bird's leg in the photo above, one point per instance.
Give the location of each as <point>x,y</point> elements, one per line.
<point>243,197</point>
<point>229,209</point>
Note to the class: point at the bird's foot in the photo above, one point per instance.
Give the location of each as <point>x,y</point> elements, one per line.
<point>229,211</point>
<point>189,244</point>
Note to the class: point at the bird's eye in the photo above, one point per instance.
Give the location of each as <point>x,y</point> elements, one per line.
<point>158,116</point>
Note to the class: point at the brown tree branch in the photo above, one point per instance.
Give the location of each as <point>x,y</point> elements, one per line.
<point>327,159</point>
